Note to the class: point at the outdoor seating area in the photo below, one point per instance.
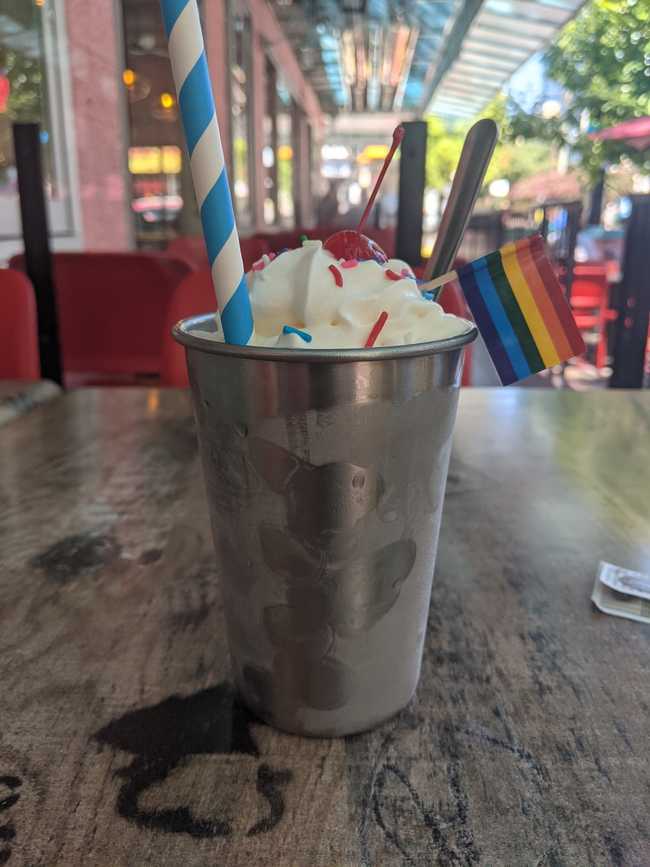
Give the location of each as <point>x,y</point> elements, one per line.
<point>116,310</point>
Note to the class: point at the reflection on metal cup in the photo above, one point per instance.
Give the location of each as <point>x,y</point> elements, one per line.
<point>325,473</point>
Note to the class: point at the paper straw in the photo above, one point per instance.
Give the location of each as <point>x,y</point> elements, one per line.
<point>190,70</point>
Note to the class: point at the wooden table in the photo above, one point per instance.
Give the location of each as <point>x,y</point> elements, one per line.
<point>120,742</point>
<point>19,396</point>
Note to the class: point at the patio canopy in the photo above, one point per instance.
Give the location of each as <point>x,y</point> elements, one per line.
<point>449,56</point>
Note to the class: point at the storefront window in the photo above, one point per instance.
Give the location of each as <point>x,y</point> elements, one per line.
<point>269,150</point>
<point>241,119</point>
<point>285,155</point>
<point>31,91</point>
<point>162,201</point>
<point>278,152</point>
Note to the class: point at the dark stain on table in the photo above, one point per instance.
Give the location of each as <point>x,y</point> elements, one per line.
<point>166,735</point>
<point>614,848</point>
<point>8,783</point>
<point>270,784</point>
<point>81,554</point>
<point>152,555</point>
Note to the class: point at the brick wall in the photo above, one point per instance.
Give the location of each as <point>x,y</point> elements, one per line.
<point>98,110</point>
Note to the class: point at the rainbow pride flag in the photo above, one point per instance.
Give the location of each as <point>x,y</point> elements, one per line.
<point>520,309</point>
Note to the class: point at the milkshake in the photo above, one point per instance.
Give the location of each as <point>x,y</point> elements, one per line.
<point>325,465</point>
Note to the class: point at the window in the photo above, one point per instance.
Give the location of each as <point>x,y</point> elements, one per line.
<point>31,90</point>
<point>241,124</point>
<point>285,155</point>
<point>162,199</point>
<point>269,161</point>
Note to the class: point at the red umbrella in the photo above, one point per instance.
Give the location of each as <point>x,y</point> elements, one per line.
<point>5,89</point>
<point>636,132</point>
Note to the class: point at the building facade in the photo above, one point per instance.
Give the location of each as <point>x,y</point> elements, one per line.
<point>96,77</point>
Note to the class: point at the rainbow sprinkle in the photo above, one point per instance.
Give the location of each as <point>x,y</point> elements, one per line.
<point>349,263</point>
<point>392,275</point>
<point>289,329</point>
<point>338,279</point>
<point>375,331</point>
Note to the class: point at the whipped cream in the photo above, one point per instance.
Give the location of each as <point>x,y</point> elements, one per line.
<point>337,302</point>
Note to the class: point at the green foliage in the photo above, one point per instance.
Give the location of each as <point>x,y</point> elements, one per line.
<point>444,144</point>
<point>512,159</point>
<point>602,58</point>
<point>25,103</point>
<point>285,176</point>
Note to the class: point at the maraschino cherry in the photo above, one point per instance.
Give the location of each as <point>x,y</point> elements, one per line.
<point>351,243</point>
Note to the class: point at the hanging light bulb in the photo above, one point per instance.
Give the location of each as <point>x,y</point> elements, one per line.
<point>167,101</point>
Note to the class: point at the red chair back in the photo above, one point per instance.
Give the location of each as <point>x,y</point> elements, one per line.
<point>111,311</point>
<point>191,250</point>
<point>590,287</point>
<point>194,295</point>
<point>277,241</point>
<point>384,237</point>
<point>19,356</point>
<point>280,240</point>
<point>452,301</point>
<point>253,249</point>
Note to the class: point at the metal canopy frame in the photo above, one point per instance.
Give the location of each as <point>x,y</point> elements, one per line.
<point>488,42</point>
<point>446,56</point>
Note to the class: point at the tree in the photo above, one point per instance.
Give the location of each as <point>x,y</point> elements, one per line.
<point>25,101</point>
<point>511,160</point>
<point>444,144</point>
<point>602,59</point>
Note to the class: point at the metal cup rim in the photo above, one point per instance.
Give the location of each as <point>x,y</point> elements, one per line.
<point>181,333</point>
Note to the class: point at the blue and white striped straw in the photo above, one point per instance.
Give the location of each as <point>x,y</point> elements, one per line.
<point>192,79</point>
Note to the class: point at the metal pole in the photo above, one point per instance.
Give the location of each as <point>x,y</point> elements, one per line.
<point>38,260</point>
<point>411,192</point>
<point>634,304</point>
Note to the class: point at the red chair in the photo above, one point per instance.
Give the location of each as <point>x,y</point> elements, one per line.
<point>452,301</point>
<point>111,312</point>
<point>280,240</point>
<point>277,241</point>
<point>191,250</point>
<point>194,295</point>
<point>19,356</point>
<point>253,249</point>
<point>590,304</point>
<point>384,237</point>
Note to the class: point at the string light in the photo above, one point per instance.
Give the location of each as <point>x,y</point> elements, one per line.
<point>167,100</point>
<point>128,77</point>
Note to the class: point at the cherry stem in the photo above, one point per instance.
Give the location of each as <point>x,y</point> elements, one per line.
<point>398,135</point>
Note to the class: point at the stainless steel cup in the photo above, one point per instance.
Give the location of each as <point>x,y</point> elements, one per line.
<point>325,472</point>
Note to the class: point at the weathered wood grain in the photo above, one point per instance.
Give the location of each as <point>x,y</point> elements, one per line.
<point>18,397</point>
<point>121,742</point>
